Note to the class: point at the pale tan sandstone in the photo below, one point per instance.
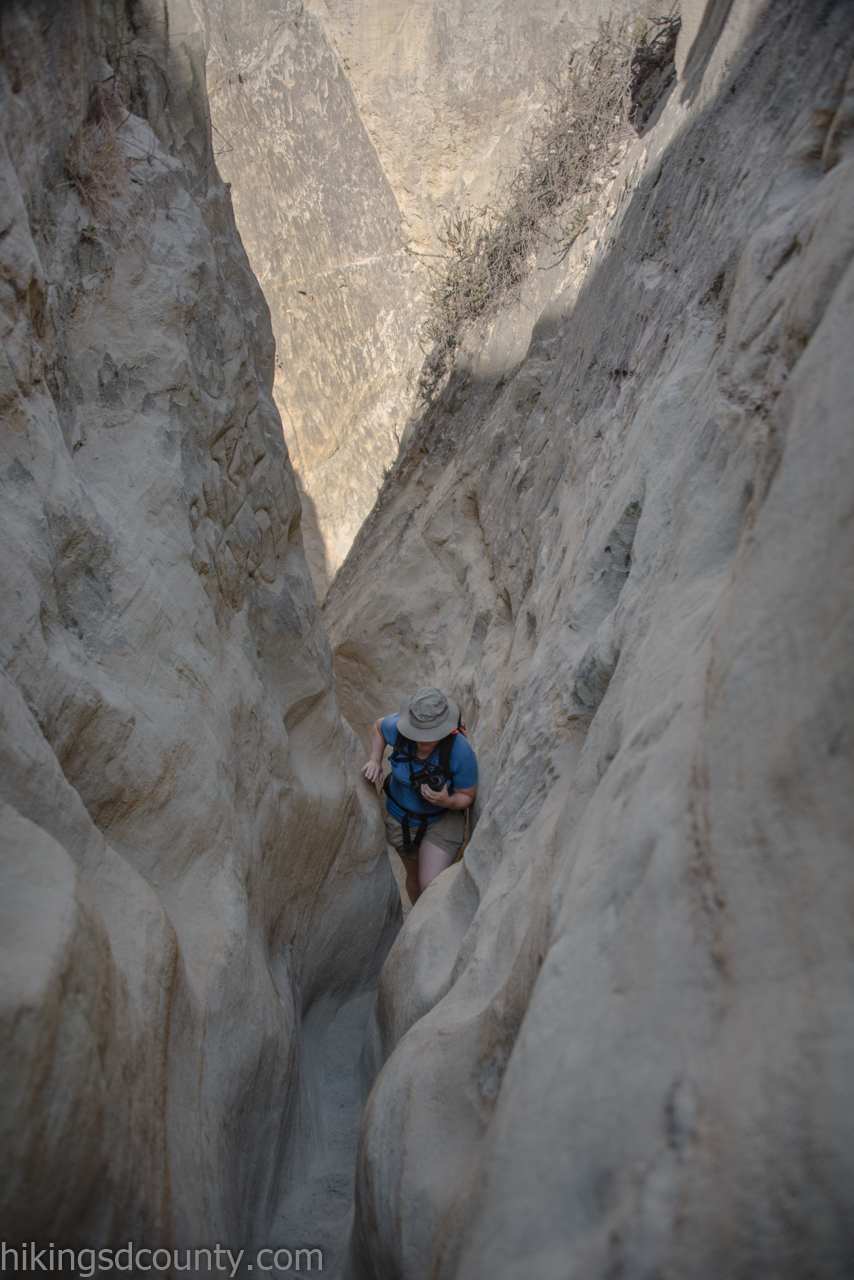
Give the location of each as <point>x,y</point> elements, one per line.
<point>77,1067</point>
<point>197,890</point>
<point>448,91</point>
<point>323,232</point>
<point>617,1040</point>
<point>348,131</point>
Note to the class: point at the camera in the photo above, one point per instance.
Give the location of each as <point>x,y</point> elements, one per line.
<point>431,777</point>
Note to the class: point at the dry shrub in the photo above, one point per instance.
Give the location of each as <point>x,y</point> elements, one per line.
<point>95,162</point>
<point>653,68</point>
<point>485,253</point>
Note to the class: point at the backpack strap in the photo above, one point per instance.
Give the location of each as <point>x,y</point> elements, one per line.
<point>446,746</point>
<point>411,844</point>
<point>402,749</point>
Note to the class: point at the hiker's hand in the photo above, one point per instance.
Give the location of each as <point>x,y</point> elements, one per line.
<point>437,797</point>
<point>372,771</point>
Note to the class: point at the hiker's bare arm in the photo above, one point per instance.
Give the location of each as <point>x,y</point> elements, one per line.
<point>373,769</point>
<point>461,799</point>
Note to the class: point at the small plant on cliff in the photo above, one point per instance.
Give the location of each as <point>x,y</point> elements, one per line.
<point>95,162</point>
<point>485,254</point>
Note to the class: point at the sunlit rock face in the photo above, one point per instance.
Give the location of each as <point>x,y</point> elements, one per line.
<point>196,898</point>
<point>448,91</point>
<point>348,131</point>
<point>323,232</point>
<point>618,1037</point>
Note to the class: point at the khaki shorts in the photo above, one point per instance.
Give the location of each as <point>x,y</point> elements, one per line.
<point>446,833</point>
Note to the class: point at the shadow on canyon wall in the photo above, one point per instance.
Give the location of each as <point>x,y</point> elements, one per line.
<point>313,540</point>
<point>607,541</point>
<point>196,899</point>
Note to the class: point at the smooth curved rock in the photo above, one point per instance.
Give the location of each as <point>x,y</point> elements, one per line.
<point>66,1031</point>
<point>618,1038</point>
<point>216,886</point>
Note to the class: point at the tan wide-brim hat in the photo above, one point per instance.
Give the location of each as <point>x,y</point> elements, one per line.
<point>427,716</point>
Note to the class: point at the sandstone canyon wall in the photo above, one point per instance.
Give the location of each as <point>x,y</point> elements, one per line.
<point>323,232</point>
<point>448,91</point>
<point>617,1039</point>
<point>196,897</point>
<point>348,130</point>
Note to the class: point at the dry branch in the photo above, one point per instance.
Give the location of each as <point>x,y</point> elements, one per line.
<point>486,253</point>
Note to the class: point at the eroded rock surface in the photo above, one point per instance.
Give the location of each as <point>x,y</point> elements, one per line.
<point>617,1038</point>
<point>448,91</point>
<point>323,232</point>
<point>348,131</point>
<point>195,887</point>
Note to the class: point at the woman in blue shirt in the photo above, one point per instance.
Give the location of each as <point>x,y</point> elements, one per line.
<point>425,823</point>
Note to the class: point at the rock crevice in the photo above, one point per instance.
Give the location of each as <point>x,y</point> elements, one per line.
<point>196,889</point>
<point>615,1038</point>
<point>610,547</point>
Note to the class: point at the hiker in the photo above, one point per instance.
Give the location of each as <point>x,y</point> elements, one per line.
<point>432,781</point>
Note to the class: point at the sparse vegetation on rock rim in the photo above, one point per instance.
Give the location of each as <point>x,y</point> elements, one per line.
<point>485,253</point>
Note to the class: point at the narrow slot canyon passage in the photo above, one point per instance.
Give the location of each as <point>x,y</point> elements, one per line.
<point>351,349</point>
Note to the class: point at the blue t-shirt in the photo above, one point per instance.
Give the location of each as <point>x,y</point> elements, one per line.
<point>463,765</point>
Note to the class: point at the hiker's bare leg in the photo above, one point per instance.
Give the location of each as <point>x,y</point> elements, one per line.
<point>410,866</point>
<point>431,862</point>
